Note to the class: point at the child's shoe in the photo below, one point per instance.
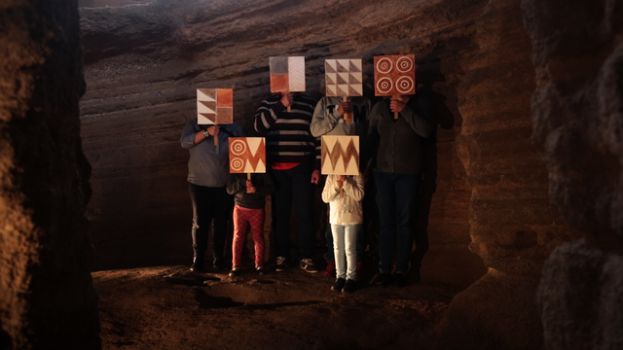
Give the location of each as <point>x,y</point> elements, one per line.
<point>349,286</point>
<point>338,285</point>
<point>260,270</point>
<point>234,273</point>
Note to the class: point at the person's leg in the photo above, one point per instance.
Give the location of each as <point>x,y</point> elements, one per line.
<point>329,239</point>
<point>200,226</point>
<point>256,220</point>
<point>240,230</point>
<point>302,201</point>
<point>405,188</point>
<point>220,212</point>
<point>282,209</point>
<point>338,250</point>
<point>350,245</point>
<point>385,201</point>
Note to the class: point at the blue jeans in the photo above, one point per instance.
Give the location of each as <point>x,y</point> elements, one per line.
<point>395,198</point>
<point>345,250</point>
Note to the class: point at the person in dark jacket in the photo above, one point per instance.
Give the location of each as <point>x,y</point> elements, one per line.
<point>397,128</point>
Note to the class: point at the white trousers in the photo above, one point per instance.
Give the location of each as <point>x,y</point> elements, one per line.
<point>345,250</point>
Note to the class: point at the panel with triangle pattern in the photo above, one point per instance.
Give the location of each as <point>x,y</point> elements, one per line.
<point>343,77</point>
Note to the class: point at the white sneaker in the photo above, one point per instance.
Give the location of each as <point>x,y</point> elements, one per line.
<point>307,265</point>
<point>280,263</point>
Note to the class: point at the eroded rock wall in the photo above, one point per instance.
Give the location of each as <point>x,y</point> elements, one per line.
<point>144,62</point>
<point>46,296</point>
<point>513,228</point>
<point>578,117</point>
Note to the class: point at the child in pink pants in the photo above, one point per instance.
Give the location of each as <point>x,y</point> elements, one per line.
<point>249,197</point>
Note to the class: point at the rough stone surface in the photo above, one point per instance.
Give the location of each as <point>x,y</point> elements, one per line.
<point>144,62</point>
<point>578,117</point>
<point>513,228</point>
<point>168,308</point>
<point>580,298</point>
<point>46,296</point>
<point>577,107</point>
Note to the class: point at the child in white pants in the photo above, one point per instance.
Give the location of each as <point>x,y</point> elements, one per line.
<point>344,195</point>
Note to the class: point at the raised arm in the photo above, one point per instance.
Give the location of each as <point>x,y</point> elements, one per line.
<point>330,190</point>
<point>189,134</point>
<point>417,115</point>
<point>325,117</point>
<point>353,187</point>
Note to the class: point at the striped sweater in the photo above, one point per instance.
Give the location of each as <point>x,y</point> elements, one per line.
<point>287,133</point>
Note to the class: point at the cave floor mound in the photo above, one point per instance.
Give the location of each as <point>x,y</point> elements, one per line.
<point>172,308</point>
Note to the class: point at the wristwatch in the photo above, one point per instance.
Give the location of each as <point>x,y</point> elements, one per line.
<point>206,133</point>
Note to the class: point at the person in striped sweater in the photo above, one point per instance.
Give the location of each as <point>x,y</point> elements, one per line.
<point>294,161</point>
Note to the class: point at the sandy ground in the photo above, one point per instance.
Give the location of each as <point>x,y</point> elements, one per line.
<point>171,308</point>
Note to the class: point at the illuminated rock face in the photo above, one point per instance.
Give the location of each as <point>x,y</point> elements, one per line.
<point>46,296</point>
<point>578,119</point>
<point>493,184</point>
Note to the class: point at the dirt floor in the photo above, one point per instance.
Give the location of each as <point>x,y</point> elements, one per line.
<point>172,308</point>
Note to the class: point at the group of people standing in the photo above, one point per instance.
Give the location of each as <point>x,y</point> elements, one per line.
<point>391,132</point>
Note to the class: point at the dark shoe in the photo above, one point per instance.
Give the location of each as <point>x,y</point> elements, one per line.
<point>260,270</point>
<point>280,264</point>
<point>338,285</point>
<point>307,265</point>
<point>234,273</point>
<point>329,270</point>
<point>197,265</point>
<point>349,286</point>
<point>381,279</point>
<point>400,279</point>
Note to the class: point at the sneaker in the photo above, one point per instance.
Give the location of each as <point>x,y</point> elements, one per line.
<point>329,271</point>
<point>280,263</point>
<point>197,266</point>
<point>349,286</point>
<point>260,270</point>
<point>381,279</point>
<point>338,285</point>
<point>307,265</point>
<point>234,273</point>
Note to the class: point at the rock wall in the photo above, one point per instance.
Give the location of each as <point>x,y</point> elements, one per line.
<point>512,226</point>
<point>145,60</point>
<point>578,117</point>
<point>46,296</point>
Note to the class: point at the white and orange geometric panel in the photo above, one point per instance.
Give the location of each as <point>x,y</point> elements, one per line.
<point>339,155</point>
<point>215,106</point>
<point>394,75</point>
<point>287,74</point>
<point>343,77</point>
<point>247,155</point>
